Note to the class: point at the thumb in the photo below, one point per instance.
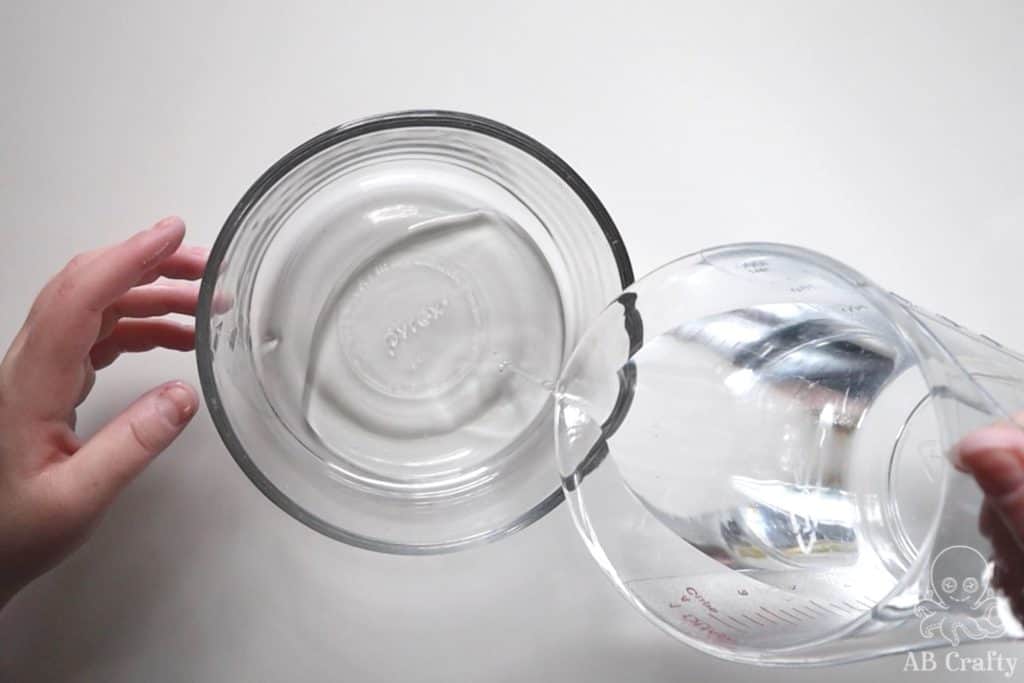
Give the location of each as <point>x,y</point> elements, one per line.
<point>995,457</point>
<point>122,448</point>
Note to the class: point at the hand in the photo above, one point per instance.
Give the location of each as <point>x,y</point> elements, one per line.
<point>53,484</point>
<point>995,457</point>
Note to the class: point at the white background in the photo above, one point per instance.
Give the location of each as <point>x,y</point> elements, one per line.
<point>886,134</point>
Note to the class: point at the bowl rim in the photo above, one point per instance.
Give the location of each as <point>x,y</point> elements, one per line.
<point>418,118</point>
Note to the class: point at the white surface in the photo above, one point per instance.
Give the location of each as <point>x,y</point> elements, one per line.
<point>888,136</point>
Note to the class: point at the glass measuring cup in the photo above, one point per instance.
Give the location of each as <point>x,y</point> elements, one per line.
<point>754,442</point>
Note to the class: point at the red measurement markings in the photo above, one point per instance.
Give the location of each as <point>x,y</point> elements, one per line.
<point>694,595</point>
<point>707,630</point>
<point>704,627</point>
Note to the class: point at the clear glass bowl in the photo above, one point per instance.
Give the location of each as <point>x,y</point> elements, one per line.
<point>382,320</point>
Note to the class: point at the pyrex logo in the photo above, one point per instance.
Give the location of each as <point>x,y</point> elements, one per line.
<point>424,318</point>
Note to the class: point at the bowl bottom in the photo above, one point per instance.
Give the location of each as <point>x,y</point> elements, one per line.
<point>425,337</point>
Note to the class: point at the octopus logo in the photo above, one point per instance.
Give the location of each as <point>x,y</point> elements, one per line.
<point>960,604</point>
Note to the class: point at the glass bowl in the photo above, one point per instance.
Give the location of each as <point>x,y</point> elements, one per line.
<point>383,318</point>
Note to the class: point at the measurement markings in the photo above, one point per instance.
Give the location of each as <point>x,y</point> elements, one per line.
<point>789,614</point>
<point>755,622</point>
<point>778,616</point>
<point>824,610</point>
<point>723,623</point>
<point>739,624</point>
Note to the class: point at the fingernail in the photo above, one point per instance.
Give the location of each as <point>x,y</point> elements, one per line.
<point>176,404</point>
<point>168,243</point>
<point>1000,437</point>
<point>167,223</point>
<point>998,471</point>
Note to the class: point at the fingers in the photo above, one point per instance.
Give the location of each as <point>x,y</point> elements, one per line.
<point>75,300</point>
<point>141,335</point>
<point>88,381</point>
<point>121,449</point>
<point>78,295</point>
<point>71,311</point>
<point>150,302</point>
<point>67,315</point>
<point>995,457</point>
<point>187,263</point>
<point>1007,556</point>
<point>157,300</point>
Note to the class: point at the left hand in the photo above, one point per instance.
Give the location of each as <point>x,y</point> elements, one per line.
<point>54,485</point>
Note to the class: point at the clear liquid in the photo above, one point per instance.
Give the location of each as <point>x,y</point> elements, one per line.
<point>418,331</point>
<point>798,463</point>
